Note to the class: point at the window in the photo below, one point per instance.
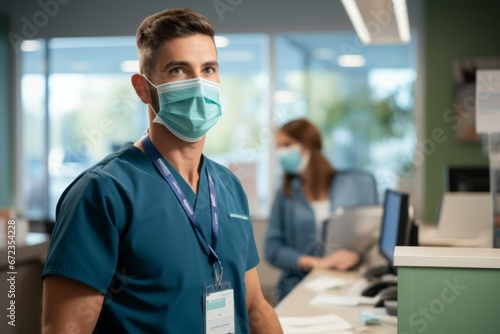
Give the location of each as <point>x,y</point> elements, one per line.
<point>33,121</point>
<point>81,107</point>
<point>361,98</point>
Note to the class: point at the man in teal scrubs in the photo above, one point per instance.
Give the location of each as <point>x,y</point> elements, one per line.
<point>157,238</point>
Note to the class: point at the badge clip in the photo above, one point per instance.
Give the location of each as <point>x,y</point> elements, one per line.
<point>218,273</point>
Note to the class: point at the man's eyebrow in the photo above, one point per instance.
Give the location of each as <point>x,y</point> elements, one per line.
<point>213,63</point>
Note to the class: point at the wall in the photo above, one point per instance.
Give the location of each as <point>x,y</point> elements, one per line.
<point>6,124</point>
<point>457,29</point>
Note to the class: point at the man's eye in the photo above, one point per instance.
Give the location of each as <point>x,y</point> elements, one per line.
<point>176,71</point>
<point>209,70</point>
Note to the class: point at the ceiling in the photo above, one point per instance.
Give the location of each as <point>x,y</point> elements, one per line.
<point>380,20</point>
<point>248,51</point>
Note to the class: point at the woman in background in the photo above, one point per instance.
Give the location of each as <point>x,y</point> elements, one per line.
<point>310,191</point>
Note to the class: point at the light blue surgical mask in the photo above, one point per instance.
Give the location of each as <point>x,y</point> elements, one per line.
<point>292,160</point>
<point>188,108</point>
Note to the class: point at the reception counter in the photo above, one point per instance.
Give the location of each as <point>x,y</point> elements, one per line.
<point>21,285</point>
<point>448,290</point>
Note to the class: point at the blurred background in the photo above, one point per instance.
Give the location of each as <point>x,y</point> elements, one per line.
<point>387,106</point>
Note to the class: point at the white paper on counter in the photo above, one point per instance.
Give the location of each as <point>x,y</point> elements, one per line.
<point>326,282</point>
<point>329,323</point>
<point>336,300</point>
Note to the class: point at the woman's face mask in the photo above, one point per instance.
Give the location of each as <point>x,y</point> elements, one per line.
<point>292,160</point>
<point>188,108</point>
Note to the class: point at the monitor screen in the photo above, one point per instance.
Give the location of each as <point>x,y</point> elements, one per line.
<point>467,179</point>
<point>395,224</point>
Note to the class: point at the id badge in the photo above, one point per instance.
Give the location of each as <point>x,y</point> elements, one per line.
<point>219,309</point>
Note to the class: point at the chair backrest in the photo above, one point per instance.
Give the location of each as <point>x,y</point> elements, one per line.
<point>353,188</point>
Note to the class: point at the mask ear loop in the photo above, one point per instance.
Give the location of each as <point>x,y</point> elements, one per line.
<point>305,161</point>
<point>154,111</point>
<point>152,84</point>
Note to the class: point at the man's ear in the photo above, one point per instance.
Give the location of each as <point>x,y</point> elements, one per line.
<point>141,87</point>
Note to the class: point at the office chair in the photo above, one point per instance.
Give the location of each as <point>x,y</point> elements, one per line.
<point>352,189</point>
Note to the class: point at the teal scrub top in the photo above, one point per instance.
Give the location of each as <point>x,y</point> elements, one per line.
<point>120,230</point>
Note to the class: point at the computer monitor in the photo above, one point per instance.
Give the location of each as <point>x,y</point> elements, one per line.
<point>467,179</point>
<point>397,229</point>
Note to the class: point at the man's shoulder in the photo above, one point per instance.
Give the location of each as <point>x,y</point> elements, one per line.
<point>127,159</point>
<point>116,167</point>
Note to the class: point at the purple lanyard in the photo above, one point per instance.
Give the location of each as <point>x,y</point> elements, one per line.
<point>155,156</point>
